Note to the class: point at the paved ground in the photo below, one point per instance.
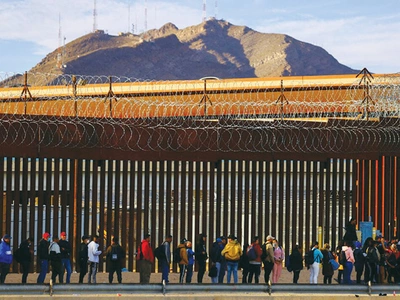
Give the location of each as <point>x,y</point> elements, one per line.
<point>234,294</point>
<point>130,277</point>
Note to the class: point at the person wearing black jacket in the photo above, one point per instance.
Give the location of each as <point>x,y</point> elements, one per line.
<point>55,260</point>
<point>25,257</point>
<point>65,248</point>
<point>201,256</point>
<point>216,258</point>
<point>43,254</point>
<point>296,262</point>
<point>115,256</point>
<point>83,258</point>
<point>351,233</point>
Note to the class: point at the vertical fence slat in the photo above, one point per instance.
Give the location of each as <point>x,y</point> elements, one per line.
<point>56,194</point>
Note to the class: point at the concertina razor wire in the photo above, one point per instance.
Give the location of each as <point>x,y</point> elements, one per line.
<point>176,115</point>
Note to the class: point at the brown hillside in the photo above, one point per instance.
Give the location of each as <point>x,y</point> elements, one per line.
<point>212,48</point>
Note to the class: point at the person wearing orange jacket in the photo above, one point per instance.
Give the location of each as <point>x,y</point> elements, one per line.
<point>145,259</point>
<point>184,260</point>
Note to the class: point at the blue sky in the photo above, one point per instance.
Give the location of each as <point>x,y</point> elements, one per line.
<point>357,33</point>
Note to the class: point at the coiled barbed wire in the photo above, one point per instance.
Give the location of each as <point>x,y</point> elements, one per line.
<point>73,111</point>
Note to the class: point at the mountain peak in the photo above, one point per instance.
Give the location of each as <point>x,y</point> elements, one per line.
<point>211,48</point>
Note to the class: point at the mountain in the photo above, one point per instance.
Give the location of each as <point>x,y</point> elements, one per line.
<point>212,48</point>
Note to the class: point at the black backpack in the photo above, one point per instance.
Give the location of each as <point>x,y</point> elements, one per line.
<point>114,253</point>
<point>264,254</point>
<point>159,252</point>
<point>177,255</point>
<point>342,258</point>
<point>309,257</point>
<point>17,255</point>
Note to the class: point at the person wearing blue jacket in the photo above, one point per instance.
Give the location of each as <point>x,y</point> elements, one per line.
<point>314,268</point>
<point>5,257</point>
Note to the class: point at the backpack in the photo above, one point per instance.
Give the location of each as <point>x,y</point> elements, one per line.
<point>159,252</point>
<point>139,254</point>
<point>342,258</point>
<point>309,257</point>
<point>251,253</point>
<point>288,265</point>
<point>17,255</point>
<point>114,253</point>
<point>177,255</point>
<point>264,254</point>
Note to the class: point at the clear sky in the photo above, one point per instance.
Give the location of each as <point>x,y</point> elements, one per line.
<point>357,33</point>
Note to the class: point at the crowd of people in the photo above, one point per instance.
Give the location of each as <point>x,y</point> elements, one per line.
<point>377,260</point>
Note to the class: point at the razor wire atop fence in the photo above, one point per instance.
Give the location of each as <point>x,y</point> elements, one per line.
<point>252,115</point>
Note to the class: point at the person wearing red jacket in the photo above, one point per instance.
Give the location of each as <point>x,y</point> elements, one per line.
<point>145,259</point>
<point>255,262</point>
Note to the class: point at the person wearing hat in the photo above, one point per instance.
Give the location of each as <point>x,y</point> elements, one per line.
<point>83,257</point>
<point>268,257</point>
<point>145,259</point>
<point>201,256</point>
<point>216,258</point>
<point>65,247</point>
<point>43,253</point>
<point>232,252</point>
<point>93,258</point>
<point>5,257</point>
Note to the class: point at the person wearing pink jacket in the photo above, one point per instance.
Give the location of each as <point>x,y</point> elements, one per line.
<point>348,267</point>
<point>279,256</point>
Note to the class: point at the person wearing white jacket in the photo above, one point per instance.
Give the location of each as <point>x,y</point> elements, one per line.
<point>93,255</point>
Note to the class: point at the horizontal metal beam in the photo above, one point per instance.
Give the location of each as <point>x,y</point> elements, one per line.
<point>64,289</point>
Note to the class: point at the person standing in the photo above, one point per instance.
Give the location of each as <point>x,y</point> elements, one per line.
<point>145,259</point>
<point>93,258</point>
<point>190,255</point>
<point>165,260</point>
<point>6,257</point>
<point>43,253</point>
<point>359,261</point>
<point>254,262</point>
<point>183,262</point>
<point>55,260</point>
<point>351,233</point>
<point>25,259</point>
<point>215,256</point>
<point>296,262</point>
<point>279,256</point>
<point>65,247</point>
<point>268,257</point>
<point>115,256</point>
<point>327,269</point>
<point>244,264</point>
<point>83,258</point>
<point>232,252</point>
<point>201,256</point>
<point>348,267</point>
<point>222,270</point>
<point>314,268</point>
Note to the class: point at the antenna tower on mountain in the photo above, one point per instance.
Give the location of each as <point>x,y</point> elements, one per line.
<point>94,17</point>
<point>216,8</point>
<point>145,15</point>
<point>204,10</point>
<point>59,63</point>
